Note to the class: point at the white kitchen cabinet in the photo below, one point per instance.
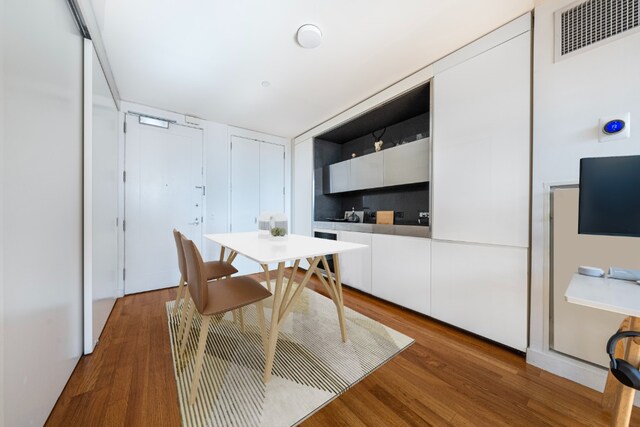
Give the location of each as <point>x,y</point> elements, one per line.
<point>355,266</point>
<point>401,271</point>
<point>481,147</point>
<point>407,163</point>
<point>482,289</point>
<point>303,188</point>
<point>366,171</point>
<point>340,177</point>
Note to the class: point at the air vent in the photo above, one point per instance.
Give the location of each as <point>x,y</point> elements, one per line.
<point>592,23</point>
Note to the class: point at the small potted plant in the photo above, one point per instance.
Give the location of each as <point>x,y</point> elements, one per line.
<point>279,225</point>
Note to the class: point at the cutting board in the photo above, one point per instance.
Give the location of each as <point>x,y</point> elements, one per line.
<point>384,217</point>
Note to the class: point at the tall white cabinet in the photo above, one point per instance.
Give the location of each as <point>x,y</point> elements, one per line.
<point>481,155</point>
<point>303,187</point>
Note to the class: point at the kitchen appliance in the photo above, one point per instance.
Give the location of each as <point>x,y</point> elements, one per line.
<point>354,216</point>
<point>328,236</point>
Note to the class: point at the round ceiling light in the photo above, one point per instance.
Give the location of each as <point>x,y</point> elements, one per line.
<point>265,83</point>
<point>309,36</point>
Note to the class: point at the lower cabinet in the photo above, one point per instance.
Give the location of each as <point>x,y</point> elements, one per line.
<point>355,266</point>
<point>401,271</point>
<point>482,289</point>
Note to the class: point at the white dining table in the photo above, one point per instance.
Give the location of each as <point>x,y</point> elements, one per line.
<point>265,250</point>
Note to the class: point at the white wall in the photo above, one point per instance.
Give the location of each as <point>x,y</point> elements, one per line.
<point>217,138</point>
<point>42,201</point>
<point>569,97</point>
<point>2,342</point>
<point>100,198</point>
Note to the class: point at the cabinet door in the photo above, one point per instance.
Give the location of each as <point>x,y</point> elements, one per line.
<point>401,271</point>
<point>303,188</point>
<point>355,266</point>
<point>366,172</point>
<point>482,289</point>
<point>340,177</point>
<point>481,145</point>
<point>407,163</point>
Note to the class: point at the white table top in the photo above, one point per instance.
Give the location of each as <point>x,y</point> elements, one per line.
<point>264,250</point>
<point>618,296</point>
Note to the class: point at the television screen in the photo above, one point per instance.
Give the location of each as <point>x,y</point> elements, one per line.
<point>610,196</point>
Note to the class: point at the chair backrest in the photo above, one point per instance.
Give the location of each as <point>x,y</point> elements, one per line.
<point>196,278</point>
<point>181,262</point>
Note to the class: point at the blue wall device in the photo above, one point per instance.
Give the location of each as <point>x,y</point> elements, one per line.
<point>615,127</point>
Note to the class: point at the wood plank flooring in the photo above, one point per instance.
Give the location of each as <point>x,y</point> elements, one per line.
<point>446,378</point>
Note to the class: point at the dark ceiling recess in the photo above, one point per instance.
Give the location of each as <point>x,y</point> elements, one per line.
<point>411,104</point>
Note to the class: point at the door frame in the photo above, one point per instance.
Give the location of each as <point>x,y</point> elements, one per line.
<point>150,112</point>
<point>261,137</point>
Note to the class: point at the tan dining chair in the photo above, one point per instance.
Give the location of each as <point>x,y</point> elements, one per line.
<point>212,300</point>
<point>213,270</point>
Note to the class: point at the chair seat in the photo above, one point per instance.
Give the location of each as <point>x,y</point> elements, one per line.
<point>235,292</point>
<point>217,269</point>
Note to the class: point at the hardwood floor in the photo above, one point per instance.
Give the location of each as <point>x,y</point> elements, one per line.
<point>446,378</point>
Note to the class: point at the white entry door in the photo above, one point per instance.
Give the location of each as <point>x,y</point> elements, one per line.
<point>163,190</point>
<point>257,185</point>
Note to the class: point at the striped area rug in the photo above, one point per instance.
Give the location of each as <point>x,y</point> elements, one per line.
<point>312,365</point>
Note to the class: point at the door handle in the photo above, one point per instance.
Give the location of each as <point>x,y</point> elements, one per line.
<point>196,222</point>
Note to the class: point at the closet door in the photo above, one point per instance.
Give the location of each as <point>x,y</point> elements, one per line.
<point>245,184</point>
<point>271,177</point>
<point>257,185</point>
<point>245,193</point>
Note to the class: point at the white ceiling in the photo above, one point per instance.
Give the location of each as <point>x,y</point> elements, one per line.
<point>208,57</point>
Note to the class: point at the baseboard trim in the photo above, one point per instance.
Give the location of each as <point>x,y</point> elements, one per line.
<point>583,373</point>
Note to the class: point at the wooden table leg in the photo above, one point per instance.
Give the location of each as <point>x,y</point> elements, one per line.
<point>624,404</point>
<point>610,394</point>
<point>279,312</point>
<point>340,302</point>
<point>273,330</point>
<point>265,267</point>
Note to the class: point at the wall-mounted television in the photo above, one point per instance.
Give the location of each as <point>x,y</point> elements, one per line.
<point>610,196</point>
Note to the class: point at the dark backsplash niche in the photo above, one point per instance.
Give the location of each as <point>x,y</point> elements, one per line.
<point>405,200</point>
<point>324,154</point>
<point>398,133</point>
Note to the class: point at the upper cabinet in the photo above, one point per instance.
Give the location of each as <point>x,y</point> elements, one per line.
<point>481,146</point>
<point>366,171</point>
<point>407,163</point>
<point>339,177</point>
<point>399,165</point>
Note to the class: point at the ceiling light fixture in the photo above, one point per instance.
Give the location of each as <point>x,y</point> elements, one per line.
<point>309,36</point>
<point>265,83</point>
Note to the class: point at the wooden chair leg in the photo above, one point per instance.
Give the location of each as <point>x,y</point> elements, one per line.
<point>175,306</point>
<point>183,313</point>
<point>187,329</point>
<point>197,372</point>
<point>261,324</point>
